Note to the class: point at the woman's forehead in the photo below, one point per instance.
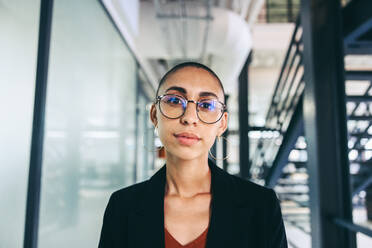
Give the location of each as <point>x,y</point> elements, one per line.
<point>193,81</point>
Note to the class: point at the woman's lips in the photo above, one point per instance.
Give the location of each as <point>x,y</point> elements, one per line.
<point>187,139</point>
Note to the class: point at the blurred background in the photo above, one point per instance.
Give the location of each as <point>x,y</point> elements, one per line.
<point>77,79</point>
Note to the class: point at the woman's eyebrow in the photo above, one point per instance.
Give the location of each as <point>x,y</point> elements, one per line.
<point>206,93</point>
<point>180,89</point>
<point>184,91</point>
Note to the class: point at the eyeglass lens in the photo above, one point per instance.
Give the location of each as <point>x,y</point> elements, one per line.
<point>208,110</point>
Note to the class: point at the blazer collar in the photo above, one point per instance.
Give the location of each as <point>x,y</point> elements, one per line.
<point>149,210</point>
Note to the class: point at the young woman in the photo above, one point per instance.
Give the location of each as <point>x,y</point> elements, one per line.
<point>190,202</point>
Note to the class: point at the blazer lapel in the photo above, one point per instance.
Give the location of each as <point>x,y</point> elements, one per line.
<point>230,217</point>
<point>220,233</point>
<point>146,222</point>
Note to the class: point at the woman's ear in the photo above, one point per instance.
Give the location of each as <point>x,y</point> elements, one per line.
<point>223,124</point>
<point>153,117</point>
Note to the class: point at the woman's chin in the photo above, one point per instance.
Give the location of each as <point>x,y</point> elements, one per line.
<point>184,154</point>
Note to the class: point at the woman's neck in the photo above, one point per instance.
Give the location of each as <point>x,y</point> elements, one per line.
<point>187,178</point>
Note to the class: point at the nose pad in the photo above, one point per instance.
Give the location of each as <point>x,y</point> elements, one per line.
<point>188,117</point>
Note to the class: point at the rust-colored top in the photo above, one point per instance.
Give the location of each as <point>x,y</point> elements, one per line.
<point>199,242</point>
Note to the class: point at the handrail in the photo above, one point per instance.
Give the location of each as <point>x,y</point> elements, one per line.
<point>352,226</point>
<point>293,38</point>
<point>285,98</point>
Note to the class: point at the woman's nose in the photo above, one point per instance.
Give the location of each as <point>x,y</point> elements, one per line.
<point>190,116</point>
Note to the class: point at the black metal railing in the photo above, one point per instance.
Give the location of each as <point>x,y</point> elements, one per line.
<point>285,100</point>
<point>270,155</point>
<point>353,227</point>
<point>281,10</point>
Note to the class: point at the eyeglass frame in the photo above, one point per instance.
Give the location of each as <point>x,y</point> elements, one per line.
<point>158,99</point>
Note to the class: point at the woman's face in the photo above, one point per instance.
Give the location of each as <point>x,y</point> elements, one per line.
<point>187,137</point>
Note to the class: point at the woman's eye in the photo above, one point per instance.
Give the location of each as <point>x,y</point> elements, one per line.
<point>207,106</point>
<point>174,100</point>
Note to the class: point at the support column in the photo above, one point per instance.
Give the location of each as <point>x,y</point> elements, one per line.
<point>243,120</point>
<point>37,140</point>
<point>325,123</point>
<point>369,202</point>
<point>225,136</point>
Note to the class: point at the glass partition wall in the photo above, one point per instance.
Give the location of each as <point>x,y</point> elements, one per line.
<point>90,142</point>
<point>19,20</point>
<point>97,135</point>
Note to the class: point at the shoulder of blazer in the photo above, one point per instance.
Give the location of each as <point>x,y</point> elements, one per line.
<point>126,197</point>
<point>246,192</point>
<point>141,196</point>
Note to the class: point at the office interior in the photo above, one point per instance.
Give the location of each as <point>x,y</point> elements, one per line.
<point>77,79</point>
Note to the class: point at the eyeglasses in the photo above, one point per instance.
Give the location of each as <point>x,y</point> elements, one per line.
<point>174,106</point>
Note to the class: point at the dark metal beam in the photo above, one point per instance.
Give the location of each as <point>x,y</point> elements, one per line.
<point>243,120</point>
<point>34,177</point>
<point>359,98</point>
<point>225,136</point>
<point>355,15</point>
<point>262,128</point>
<point>295,129</point>
<point>357,18</point>
<point>349,225</point>
<point>358,75</point>
<point>359,118</point>
<point>359,49</point>
<point>325,123</point>
<point>362,186</point>
<point>361,135</point>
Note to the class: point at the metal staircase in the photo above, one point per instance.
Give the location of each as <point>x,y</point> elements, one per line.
<point>279,162</point>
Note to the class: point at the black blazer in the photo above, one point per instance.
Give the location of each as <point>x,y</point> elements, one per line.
<point>243,214</point>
